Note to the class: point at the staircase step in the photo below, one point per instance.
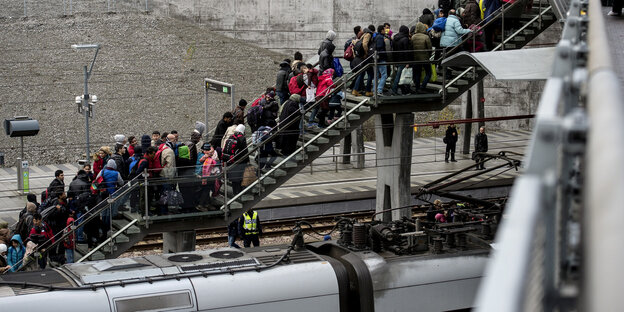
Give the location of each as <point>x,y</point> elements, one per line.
<point>319,140</point>
<point>362,109</point>
<point>309,148</point>
<point>83,249</point>
<point>268,180</point>
<point>545,17</point>
<point>331,132</point>
<point>438,87</point>
<point>107,248</point>
<point>121,238</point>
<point>353,117</point>
<point>119,224</point>
<point>289,164</point>
<point>276,172</point>
<point>528,32</point>
<point>247,197</point>
<point>341,125</point>
<point>234,205</point>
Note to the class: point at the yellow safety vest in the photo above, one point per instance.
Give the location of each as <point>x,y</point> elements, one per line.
<point>251,224</point>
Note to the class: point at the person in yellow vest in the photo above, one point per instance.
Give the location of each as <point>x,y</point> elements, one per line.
<point>249,228</point>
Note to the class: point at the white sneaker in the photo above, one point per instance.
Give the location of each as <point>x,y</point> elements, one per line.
<point>611,13</point>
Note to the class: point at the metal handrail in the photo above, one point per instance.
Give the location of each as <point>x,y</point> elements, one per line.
<point>94,250</point>
<point>472,68</point>
<point>82,221</point>
<point>299,150</point>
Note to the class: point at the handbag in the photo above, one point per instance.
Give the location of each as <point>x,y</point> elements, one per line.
<point>310,95</point>
<point>249,176</point>
<point>406,76</point>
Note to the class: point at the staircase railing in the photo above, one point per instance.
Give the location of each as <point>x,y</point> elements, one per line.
<point>108,240</point>
<point>45,247</point>
<point>499,46</point>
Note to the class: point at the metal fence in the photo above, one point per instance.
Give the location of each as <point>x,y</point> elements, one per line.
<point>557,248</point>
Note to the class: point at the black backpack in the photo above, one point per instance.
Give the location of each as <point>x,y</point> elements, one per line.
<point>23,226</point>
<point>358,48</point>
<point>232,147</point>
<point>254,116</point>
<point>135,168</point>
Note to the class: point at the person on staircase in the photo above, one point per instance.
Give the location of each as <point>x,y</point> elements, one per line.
<point>360,61</point>
<point>421,44</point>
<point>452,35</point>
<point>235,151</point>
<point>287,141</point>
<point>250,228</point>
<point>450,139</point>
<point>225,122</point>
<point>400,53</point>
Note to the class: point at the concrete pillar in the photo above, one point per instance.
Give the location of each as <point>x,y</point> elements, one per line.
<point>480,102</point>
<point>468,126</point>
<point>394,136</point>
<point>178,241</point>
<point>345,148</point>
<point>357,139</point>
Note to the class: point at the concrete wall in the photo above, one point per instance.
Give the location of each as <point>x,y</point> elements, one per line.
<point>290,25</point>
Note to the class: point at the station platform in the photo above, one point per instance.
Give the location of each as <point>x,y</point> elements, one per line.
<point>322,186</point>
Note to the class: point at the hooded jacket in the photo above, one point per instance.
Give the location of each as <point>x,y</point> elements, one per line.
<point>326,58</point>
<point>79,185</point>
<point>427,18</point>
<point>472,14</point>
<point>281,82</point>
<point>325,82</point>
<point>329,41</point>
<point>15,255</point>
<point>401,42</point>
<point>420,42</point>
<point>111,177</point>
<point>146,142</point>
<point>452,32</point>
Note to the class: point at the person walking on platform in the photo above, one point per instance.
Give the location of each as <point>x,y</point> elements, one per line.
<point>232,234</point>
<point>249,228</point>
<point>450,139</point>
<point>481,146</point>
<point>616,10</point>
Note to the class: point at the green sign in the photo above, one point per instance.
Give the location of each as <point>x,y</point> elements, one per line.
<point>25,181</point>
<point>210,85</point>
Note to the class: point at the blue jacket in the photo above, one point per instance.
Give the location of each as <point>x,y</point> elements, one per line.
<point>15,255</point>
<point>198,164</point>
<point>452,32</point>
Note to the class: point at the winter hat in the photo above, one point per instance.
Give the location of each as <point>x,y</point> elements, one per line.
<point>329,71</point>
<point>119,138</point>
<point>183,152</point>
<point>31,207</point>
<point>331,35</point>
<point>111,164</point>
<point>146,142</point>
<point>138,151</point>
<point>295,98</point>
<point>200,127</point>
<point>240,128</point>
<point>242,102</point>
<point>31,197</point>
<point>206,147</point>
<point>195,137</point>
<point>3,248</point>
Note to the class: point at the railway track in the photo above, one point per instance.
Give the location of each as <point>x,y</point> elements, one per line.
<point>275,228</point>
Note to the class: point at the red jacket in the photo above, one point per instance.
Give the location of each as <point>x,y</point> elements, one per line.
<point>69,240</point>
<point>98,165</point>
<point>45,230</point>
<point>324,87</point>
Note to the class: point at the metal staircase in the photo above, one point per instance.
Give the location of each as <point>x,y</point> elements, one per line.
<point>134,227</point>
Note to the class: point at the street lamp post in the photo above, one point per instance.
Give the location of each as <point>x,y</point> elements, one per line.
<point>84,99</point>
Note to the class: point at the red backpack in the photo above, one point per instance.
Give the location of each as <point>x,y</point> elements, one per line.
<point>348,53</point>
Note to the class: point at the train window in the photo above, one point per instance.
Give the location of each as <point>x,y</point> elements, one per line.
<point>153,302</point>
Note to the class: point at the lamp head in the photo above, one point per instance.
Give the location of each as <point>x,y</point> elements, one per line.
<point>85,46</point>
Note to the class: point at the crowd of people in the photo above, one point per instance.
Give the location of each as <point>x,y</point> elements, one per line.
<point>186,174</point>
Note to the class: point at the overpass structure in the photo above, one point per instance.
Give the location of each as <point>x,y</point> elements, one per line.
<point>393,128</point>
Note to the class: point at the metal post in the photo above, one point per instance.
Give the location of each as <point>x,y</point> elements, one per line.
<point>205,107</point>
<point>480,103</point>
<point>468,126</point>
<point>146,217</point>
<point>64,7</point>
<point>232,97</point>
<point>71,12</point>
<point>85,105</point>
<point>539,19</point>
<point>225,190</point>
<point>375,77</point>
<point>108,6</point>
<point>22,144</point>
<point>344,101</point>
<point>146,9</point>
<point>24,8</point>
<point>110,222</point>
<point>443,76</point>
<point>20,177</point>
<point>503,27</point>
